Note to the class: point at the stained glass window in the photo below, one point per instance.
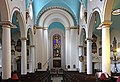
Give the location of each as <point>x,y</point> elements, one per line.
<point>56,45</point>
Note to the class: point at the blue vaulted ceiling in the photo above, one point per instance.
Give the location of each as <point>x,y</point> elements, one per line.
<point>72,5</point>
<point>56,25</point>
<point>27,3</point>
<point>85,3</point>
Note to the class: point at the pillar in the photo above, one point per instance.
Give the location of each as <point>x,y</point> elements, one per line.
<point>74,47</point>
<point>106,47</point>
<point>89,56</point>
<point>6,51</point>
<point>80,48</point>
<point>23,56</point>
<point>39,45</point>
<point>45,58</point>
<point>32,59</point>
<point>67,47</point>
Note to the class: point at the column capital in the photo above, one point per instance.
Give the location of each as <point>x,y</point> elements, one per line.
<point>74,27</point>
<point>80,45</point>
<point>105,23</point>
<point>90,39</point>
<point>6,24</point>
<point>23,38</point>
<point>40,27</point>
<point>32,45</point>
<point>67,28</point>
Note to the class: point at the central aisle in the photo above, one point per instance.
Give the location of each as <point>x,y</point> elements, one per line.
<point>56,78</point>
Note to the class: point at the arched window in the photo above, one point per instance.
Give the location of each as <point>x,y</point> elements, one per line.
<point>56,45</point>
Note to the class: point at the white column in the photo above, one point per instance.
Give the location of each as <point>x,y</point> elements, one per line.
<point>74,47</point>
<point>23,56</point>
<point>80,48</point>
<point>89,56</point>
<point>39,44</point>
<point>106,47</point>
<point>45,50</point>
<point>32,59</point>
<point>67,47</point>
<point>6,52</point>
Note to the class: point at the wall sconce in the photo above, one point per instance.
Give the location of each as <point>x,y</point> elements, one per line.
<point>27,16</point>
<point>34,28</point>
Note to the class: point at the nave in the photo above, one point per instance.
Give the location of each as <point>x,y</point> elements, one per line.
<point>81,37</point>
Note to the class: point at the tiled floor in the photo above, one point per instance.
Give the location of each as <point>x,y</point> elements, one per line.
<point>57,79</point>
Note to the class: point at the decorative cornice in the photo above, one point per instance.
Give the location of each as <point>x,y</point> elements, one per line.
<point>67,28</point>
<point>7,24</point>
<point>72,27</point>
<point>39,27</point>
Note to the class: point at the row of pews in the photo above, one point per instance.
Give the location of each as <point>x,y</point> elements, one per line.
<point>75,76</point>
<point>38,76</point>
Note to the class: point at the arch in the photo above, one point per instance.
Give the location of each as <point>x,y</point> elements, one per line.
<point>107,9</point>
<point>82,36</point>
<point>62,34</point>
<point>5,15</point>
<point>91,22</point>
<point>20,20</point>
<point>13,11</point>
<point>56,15</point>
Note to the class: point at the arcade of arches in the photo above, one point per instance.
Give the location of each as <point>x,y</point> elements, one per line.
<point>75,35</point>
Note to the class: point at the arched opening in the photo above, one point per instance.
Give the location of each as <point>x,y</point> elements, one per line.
<point>96,34</point>
<point>16,34</point>
<point>56,46</point>
<point>82,51</point>
<point>30,52</point>
<point>45,33</point>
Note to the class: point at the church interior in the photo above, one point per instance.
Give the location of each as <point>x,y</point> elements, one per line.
<point>59,41</point>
